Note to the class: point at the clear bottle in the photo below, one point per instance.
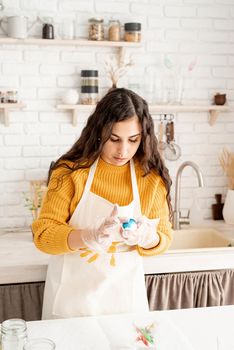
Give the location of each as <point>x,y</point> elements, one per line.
<point>96,29</point>
<point>14,334</point>
<point>89,87</point>
<point>114,30</point>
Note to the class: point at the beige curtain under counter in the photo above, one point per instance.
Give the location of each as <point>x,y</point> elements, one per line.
<point>190,289</point>
<point>21,300</point>
<point>165,291</point>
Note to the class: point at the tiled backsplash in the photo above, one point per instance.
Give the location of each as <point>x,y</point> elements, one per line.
<point>177,31</point>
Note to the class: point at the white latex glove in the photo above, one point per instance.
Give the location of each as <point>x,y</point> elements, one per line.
<point>99,239</point>
<point>144,235</point>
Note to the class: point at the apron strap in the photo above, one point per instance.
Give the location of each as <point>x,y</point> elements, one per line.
<point>135,192</point>
<point>89,181</point>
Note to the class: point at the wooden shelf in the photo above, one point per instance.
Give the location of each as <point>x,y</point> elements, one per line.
<point>71,42</point>
<point>120,45</point>
<point>213,110</point>
<point>75,109</point>
<point>5,108</point>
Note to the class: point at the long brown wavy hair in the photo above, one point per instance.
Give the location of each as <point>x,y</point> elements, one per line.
<point>117,105</point>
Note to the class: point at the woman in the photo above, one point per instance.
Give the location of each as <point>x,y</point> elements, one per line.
<point>112,173</point>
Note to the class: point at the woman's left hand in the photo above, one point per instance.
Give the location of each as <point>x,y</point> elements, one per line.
<point>145,235</point>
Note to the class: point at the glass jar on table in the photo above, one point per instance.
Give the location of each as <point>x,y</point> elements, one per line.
<point>40,344</point>
<point>13,334</point>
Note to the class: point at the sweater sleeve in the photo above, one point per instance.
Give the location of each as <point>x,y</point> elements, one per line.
<point>160,210</point>
<point>51,229</point>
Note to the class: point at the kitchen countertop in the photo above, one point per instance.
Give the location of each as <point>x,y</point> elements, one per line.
<point>21,261</point>
<point>197,329</point>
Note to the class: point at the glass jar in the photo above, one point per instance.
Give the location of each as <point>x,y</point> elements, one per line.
<point>2,97</point>
<point>96,29</point>
<point>14,334</point>
<point>11,96</point>
<point>89,87</point>
<point>132,32</point>
<point>114,30</point>
<point>39,344</point>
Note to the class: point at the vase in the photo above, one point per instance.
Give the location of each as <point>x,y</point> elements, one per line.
<point>228,209</point>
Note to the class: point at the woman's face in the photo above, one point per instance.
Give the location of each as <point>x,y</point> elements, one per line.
<point>123,142</point>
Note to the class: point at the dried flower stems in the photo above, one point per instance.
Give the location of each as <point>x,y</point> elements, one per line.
<point>226,160</point>
<point>117,68</point>
<point>34,201</point>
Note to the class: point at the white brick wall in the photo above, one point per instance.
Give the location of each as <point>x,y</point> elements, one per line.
<point>181,30</point>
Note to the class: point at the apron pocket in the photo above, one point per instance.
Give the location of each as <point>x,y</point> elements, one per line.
<point>100,289</point>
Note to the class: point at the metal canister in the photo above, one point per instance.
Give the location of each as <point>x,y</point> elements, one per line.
<point>132,32</point>
<point>89,87</point>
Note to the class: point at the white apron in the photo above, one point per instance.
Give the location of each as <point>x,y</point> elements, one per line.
<point>75,287</point>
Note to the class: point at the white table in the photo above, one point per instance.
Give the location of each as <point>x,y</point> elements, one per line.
<point>200,326</point>
<point>203,326</point>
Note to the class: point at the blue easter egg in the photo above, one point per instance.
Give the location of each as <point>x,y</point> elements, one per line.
<point>129,225</point>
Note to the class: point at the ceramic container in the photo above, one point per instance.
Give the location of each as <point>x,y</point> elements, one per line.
<point>228,211</point>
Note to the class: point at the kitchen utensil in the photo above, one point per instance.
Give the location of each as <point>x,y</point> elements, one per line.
<point>172,151</point>
<point>16,26</point>
<point>161,144</point>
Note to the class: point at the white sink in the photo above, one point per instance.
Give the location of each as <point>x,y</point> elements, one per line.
<point>194,249</point>
<point>200,238</point>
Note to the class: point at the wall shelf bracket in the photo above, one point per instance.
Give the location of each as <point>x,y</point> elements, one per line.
<point>5,109</point>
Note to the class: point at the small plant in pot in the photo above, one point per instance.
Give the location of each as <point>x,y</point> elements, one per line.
<point>220,99</point>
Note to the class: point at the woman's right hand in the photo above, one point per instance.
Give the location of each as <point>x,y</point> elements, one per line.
<point>99,239</point>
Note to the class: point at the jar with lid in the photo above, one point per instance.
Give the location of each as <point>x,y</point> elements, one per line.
<point>14,334</point>
<point>114,30</point>
<point>96,29</point>
<point>11,96</point>
<point>132,32</point>
<point>89,87</point>
<point>2,97</point>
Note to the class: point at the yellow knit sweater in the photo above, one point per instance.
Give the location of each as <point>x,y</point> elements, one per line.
<point>111,182</point>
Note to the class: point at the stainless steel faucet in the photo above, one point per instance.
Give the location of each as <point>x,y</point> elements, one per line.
<point>177,219</point>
